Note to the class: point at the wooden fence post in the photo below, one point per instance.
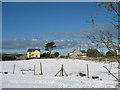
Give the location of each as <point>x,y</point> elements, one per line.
<point>41,69</point>
<point>14,69</point>
<point>87,71</point>
<point>62,70</point>
<point>22,72</point>
<point>34,69</point>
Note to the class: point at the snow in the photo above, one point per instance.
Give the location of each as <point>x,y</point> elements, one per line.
<point>0,81</point>
<point>51,67</point>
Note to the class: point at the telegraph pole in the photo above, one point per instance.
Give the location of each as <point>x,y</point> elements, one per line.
<point>80,45</point>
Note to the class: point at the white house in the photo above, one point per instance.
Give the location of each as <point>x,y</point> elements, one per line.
<point>118,52</point>
<point>33,53</point>
<point>77,53</point>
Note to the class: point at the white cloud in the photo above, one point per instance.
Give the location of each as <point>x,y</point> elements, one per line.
<point>34,39</point>
<point>77,34</point>
<point>23,44</point>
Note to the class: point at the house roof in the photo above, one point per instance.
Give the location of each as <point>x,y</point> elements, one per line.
<point>73,50</point>
<point>82,51</point>
<point>30,50</point>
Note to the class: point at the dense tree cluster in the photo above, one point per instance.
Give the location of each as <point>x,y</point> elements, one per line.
<point>48,55</point>
<point>94,53</point>
<point>8,57</point>
<point>111,53</point>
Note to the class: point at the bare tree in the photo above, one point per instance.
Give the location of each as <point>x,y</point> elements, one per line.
<point>103,38</point>
<point>112,7</point>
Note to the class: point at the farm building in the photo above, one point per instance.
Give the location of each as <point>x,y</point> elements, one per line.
<point>33,53</point>
<point>77,53</point>
<point>118,52</point>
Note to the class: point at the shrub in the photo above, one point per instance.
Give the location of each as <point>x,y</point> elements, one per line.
<point>45,55</point>
<point>64,56</point>
<point>56,54</point>
<point>94,53</point>
<point>8,57</point>
<point>111,53</point>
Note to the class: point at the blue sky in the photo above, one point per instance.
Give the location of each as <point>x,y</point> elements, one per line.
<point>30,23</point>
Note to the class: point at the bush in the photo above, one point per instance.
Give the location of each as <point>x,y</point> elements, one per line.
<point>8,57</point>
<point>45,55</point>
<point>94,53</point>
<point>111,53</point>
<point>52,56</point>
<point>64,57</point>
<point>56,54</point>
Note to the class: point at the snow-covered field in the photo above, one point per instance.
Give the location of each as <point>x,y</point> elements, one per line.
<point>51,67</point>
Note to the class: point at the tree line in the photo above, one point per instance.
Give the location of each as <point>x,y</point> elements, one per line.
<point>51,45</point>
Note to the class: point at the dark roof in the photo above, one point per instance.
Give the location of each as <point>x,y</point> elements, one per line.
<point>83,51</point>
<point>73,50</point>
<point>30,50</point>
